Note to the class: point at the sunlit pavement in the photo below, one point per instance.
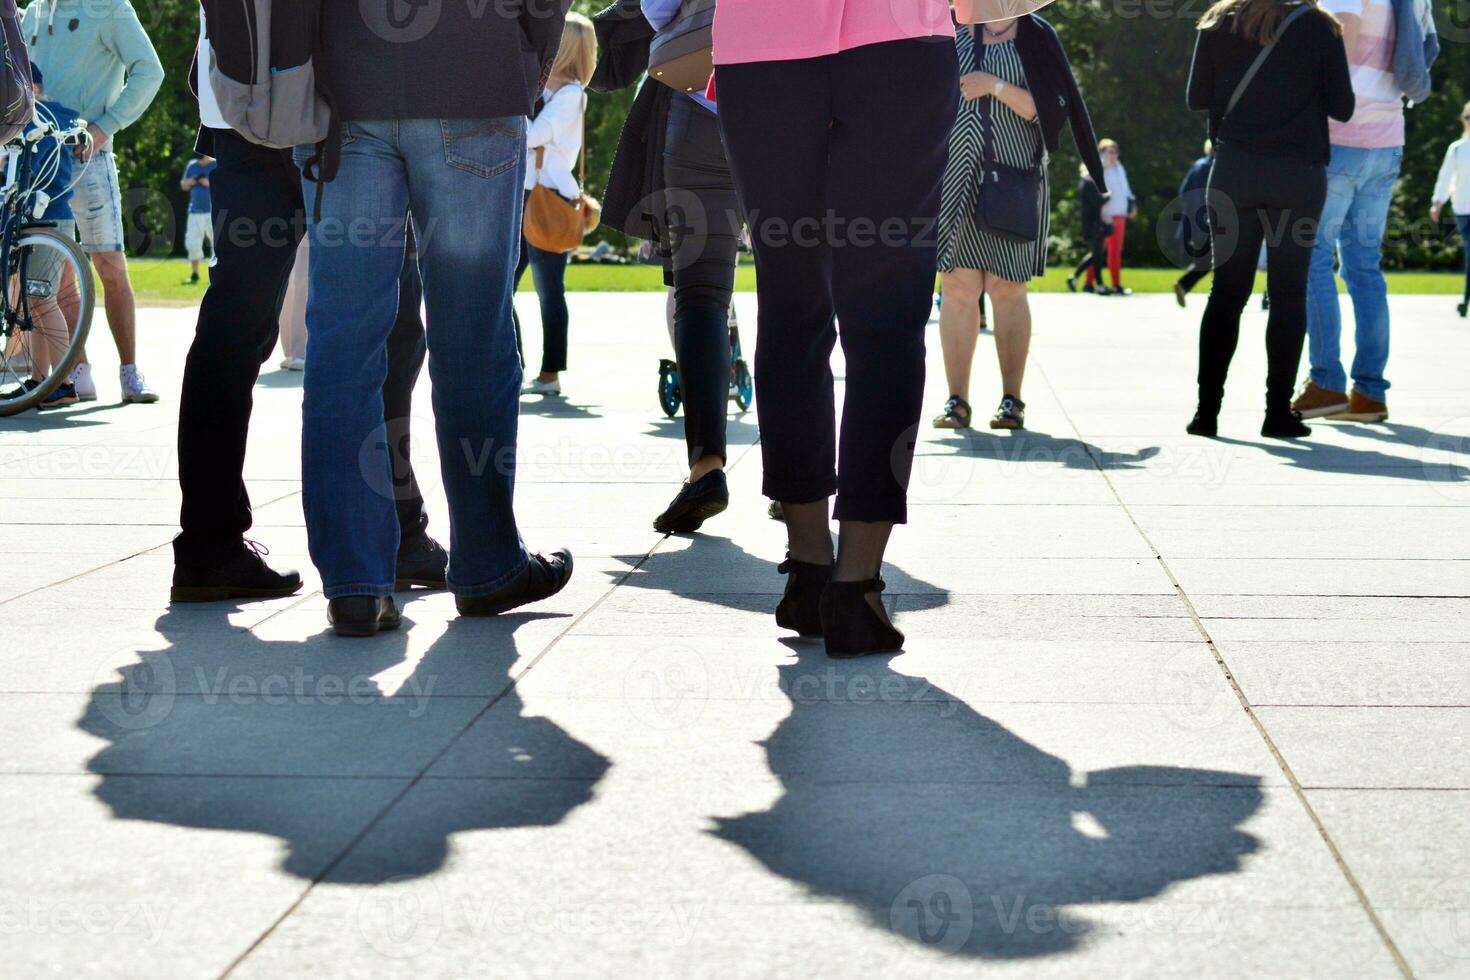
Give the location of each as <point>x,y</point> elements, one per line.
<point>1169,707</point>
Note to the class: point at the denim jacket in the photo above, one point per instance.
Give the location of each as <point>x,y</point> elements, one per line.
<point>1416,45</point>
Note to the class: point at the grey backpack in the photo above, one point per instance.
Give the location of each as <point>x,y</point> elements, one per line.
<point>263,71</point>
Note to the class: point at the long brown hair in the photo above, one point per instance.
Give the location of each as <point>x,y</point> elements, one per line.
<point>1257,20</point>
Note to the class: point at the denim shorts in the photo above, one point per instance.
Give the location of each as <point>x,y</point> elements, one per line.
<point>97,205</point>
<point>45,264</point>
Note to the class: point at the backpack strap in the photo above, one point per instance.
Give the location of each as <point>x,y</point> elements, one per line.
<point>1250,73</point>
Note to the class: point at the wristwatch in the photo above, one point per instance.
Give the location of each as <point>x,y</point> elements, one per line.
<point>1000,86</point>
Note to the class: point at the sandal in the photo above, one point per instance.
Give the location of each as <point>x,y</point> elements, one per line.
<point>957,414</point>
<point>1010,415</point>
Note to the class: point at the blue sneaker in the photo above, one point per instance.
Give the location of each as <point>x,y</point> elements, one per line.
<point>63,394</point>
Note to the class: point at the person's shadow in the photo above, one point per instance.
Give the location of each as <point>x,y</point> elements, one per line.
<point>313,742</point>
<point>1023,447</point>
<point>947,829</point>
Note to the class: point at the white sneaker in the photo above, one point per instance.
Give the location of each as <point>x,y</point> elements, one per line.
<point>134,388</point>
<point>536,387</point>
<point>81,379</point>
<point>293,364</point>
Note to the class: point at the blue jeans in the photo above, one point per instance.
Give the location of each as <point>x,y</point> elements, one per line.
<point>460,179</point>
<point>549,272</point>
<point>1359,187</point>
<point>1462,222</point>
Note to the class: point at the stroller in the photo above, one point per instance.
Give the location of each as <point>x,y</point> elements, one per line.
<point>742,385</point>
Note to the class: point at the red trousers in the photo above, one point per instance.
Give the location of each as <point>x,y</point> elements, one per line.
<point>1115,250</point>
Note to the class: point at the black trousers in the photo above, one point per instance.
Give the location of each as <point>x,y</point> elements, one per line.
<point>838,165</point>
<point>1258,199</point>
<point>259,220</point>
<point>1097,253</point>
<point>701,216</point>
<point>1197,270</point>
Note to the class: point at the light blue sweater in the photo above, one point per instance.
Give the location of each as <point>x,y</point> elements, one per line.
<point>96,57</point>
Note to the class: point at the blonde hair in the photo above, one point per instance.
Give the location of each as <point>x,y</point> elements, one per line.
<point>1105,145</point>
<point>1257,20</point>
<point>576,59</point>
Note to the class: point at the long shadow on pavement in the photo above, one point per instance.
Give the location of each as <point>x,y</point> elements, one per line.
<point>947,829</point>
<point>1028,447</point>
<point>1320,457</point>
<point>222,730</point>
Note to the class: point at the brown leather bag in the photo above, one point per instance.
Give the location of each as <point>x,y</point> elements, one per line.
<point>554,224</point>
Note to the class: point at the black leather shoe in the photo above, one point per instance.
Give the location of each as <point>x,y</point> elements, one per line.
<point>363,615</point>
<point>546,575</point>
<point>799,608</point>
<point>696,503</point>
<point>244,575</point>
<point>851,627</point>
<point>1286,425</point>
<point>422,561</point>
<point>1203,424</point>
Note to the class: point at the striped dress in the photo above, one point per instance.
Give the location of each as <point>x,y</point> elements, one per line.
<point>1016,142</point>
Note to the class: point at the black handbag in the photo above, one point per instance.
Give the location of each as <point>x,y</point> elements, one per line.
<point>1009,202</point>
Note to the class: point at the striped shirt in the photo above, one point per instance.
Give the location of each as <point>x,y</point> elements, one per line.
<point>1378,120</point>
<point>786,30</point>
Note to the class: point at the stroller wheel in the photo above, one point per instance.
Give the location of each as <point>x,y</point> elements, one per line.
<point>744,385</point>
<point>669,395</point>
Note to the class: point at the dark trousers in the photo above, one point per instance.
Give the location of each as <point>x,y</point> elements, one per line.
<point>1092,262</point>
<point>1197,270</point>
<point>838,169</point>
<point>702,221</point>
<point>549,273</point>
<point>1278,201</point>
<point>259,220</point>
<point>1462,222</point>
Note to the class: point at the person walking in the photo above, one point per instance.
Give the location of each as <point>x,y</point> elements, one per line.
<point>1119,208</point>
<point>699,241</point>
<point>200,226</point>
<point>839,172</point>
<point>554,144</point>
<point>1452,187</point>
<point>1011,69</point>
<point>1194,232</point>
<point>435,132</point>
<point>259,190</point>
<point>99,61</point>
<point>1269,73</point>
<point>1095,232</point>
<point>1367,154</point>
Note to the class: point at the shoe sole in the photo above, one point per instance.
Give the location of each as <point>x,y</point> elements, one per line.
<point>222,593</point>
<point>1007,425</point>
<point>86,398</point>
<point>509,604</point>
<point>694,520</point>
<point>1322,411</point>
<point>356,631</point>
<point>407,584</point>
<point>138,399</point>
<point>1358,417</point>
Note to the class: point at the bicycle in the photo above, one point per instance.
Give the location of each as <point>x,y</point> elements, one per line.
<point>49,297</point>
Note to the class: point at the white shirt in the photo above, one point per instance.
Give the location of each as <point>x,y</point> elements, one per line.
<point>1119,203</point>
<point>559,130</point>
<point>209,114</point>
<point>1454,176</point>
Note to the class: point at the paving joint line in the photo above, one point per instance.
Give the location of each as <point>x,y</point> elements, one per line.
<point>423,773</point>
<point>1383,934</point>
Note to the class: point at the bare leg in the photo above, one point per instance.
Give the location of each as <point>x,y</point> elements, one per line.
<point>959,327</point>
<point>1012,331</point>
<point>70,299</point>
<point>117,290</point>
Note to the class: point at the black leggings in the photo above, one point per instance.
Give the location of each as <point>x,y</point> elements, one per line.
<point>1097,253</point>
<point>839,166</point>
<point>701,218</point>
<point>1254,199</point>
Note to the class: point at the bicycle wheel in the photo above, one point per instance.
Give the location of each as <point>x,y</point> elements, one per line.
<point>46,314</point>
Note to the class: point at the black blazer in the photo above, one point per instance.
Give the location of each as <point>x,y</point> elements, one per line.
<point>1054,89</point>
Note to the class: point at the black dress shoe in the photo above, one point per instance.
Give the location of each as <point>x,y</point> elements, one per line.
<point>546,575</point>
<point>696,503</point>
<point>799,608</point>
<point>363,615</point>
<point>422,561</point>
<point>1203,424</point>
<point>244,575</point>
<point>851,627</point>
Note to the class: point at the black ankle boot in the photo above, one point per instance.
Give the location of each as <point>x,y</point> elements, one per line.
<point>1204,423</point>
<point>800,607</point>
<point>1284,425</point>
<point>851,626</point>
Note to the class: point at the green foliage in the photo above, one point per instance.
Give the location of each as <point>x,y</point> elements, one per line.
<point>1131,57</point>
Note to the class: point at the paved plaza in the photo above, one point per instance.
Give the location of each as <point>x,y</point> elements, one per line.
<point>1168,707</point>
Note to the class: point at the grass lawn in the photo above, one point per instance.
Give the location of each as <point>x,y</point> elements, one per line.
<point>159,282</point>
